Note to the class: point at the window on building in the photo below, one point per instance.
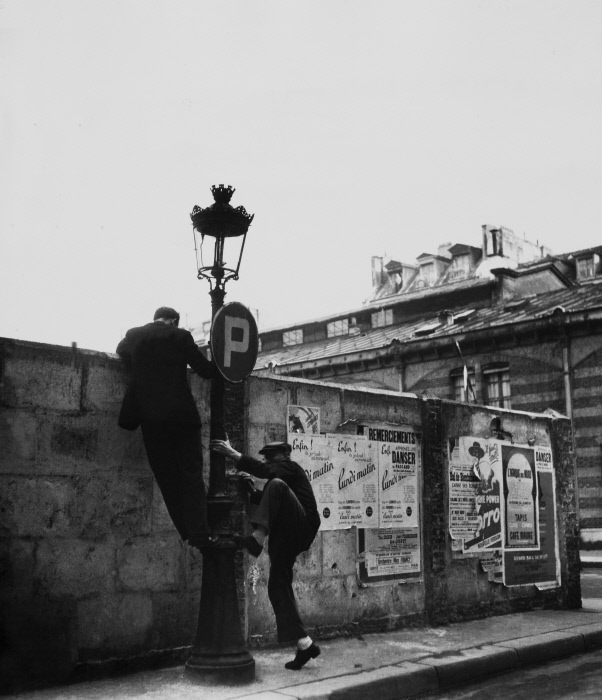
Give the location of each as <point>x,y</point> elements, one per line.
<point>381,318</point>
<point>586,267</point>
<point>460,267</point>
<point>459,393</point>
<point>497,386</point>
<point>294,337</point>
<point>340,327</point>
<point>427,273</point>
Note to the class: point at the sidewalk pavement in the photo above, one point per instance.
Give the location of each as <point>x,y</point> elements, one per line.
<point>391,665</point>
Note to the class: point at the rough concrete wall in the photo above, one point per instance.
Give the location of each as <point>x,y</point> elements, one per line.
<point>451,588</point>
<point>458,588</point>
<point>328,571</point>
<point>91,565</point>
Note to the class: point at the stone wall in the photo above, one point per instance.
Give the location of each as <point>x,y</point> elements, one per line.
<point>450,588</point>
<point>93,574</point>
<point>92,569</point>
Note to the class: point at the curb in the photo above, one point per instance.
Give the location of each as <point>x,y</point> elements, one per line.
<point>439,672</point>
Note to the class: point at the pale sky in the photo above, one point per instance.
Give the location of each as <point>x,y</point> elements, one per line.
<point>349,128</point>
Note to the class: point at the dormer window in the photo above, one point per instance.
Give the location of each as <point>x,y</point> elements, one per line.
<point>460,267</point>
<point>427,273</point>
<point>294,337</point>
<point>336,328</point>
<point>382,318</point>
<point>587,266</point>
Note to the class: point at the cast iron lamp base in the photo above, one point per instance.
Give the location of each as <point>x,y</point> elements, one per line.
<point>219,654</point>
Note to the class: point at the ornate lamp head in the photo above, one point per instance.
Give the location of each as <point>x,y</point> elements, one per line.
<point>220,221</point>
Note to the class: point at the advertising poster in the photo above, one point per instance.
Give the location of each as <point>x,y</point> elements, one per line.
<point>462,491</point>
<point>370,482</point>
<point>303,419</point>
<point>502,507</point>
<point>314,454</point>
<point>357,482</point>
<point>343,475</point>
<point>541,567</point>
<point>392,552</point>
<point>520,497</point>
<point>486,467</point>
<point>465,456</point>
<point>398,457</point>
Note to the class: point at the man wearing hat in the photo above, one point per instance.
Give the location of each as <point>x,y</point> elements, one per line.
<point>158,398</point>
<point>288,513</point>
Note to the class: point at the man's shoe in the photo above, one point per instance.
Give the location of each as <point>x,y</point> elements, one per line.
<point>249,543</point>
<point>302,657</point>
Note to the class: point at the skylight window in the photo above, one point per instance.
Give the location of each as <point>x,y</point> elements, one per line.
<point>427,328</point>
<point>463,315</point>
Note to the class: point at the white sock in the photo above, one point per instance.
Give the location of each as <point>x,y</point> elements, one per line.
<point>304,643</point>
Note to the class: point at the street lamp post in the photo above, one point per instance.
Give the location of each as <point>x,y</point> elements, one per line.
<point>219,653</point>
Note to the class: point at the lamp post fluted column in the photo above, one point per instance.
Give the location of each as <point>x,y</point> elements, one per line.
<point>217,473</point>
<point>219,653</point>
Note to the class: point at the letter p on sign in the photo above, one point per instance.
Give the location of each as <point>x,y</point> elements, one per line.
<point>234,341</point>
<point>231,345</point>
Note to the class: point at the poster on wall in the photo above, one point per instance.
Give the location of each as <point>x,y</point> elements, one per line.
<point>369,481</point>
<point>394,549</point>
<point>392,552</point>
<point>502,507</point>
<point>343,476</point>
<point>303,419</point>
<point>542,566</point>
<point>520,497</point>
<point>357,481</point>
<point>398,456</point>
<point>475,512</point>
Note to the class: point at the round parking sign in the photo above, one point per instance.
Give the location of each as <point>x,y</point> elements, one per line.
<point>234,341</point>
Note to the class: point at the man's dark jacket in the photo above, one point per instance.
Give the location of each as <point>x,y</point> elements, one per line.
<point>157,356</point>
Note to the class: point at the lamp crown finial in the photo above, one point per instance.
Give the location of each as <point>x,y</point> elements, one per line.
<point>221,194</point>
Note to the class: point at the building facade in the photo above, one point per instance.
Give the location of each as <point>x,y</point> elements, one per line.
<point>506,324</point>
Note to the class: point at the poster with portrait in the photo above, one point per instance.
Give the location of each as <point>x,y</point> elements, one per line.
<point>520,498</point>
<point>542,566</point>
<point>475,508</point>
<point>502,507</point>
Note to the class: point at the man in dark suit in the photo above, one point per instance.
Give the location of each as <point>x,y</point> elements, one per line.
<point>159,399</point>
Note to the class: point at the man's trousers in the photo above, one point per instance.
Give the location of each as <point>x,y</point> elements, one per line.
<point>175,456</point>
<point>284,518</point>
